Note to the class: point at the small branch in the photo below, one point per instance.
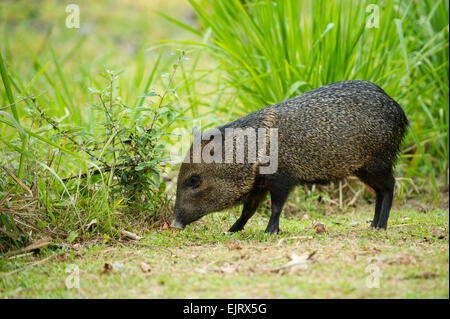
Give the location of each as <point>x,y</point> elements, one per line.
<point>161,97</point>
<point>97,172</point>
<point>17,102</point>
<point>34,246</point>
<point>9,234</point>
<point>56,128</point>
<point>18,181</point>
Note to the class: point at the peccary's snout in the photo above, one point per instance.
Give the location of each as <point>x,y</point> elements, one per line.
<point>177,221</point>
<point>177,224</point>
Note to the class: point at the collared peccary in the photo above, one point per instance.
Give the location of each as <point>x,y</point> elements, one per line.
<point>340,129</point>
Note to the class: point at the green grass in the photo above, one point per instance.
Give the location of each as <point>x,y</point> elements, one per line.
<point>202,262</point>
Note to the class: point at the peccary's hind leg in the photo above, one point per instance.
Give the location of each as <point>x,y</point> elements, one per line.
<point>278,196</point>
<point>387,203</point>
<point>383,185</point>
<point>252,202</point>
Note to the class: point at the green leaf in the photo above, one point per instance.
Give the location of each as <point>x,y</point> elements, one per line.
<point>72,236</point>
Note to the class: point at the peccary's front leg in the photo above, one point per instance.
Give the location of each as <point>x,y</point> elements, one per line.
<point>252,202</point>
<point>278,196</point>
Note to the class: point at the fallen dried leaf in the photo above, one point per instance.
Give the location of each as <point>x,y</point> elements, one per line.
<point>106,268</point>
<point>439,234</point>
<point>61,257</point>
<point>145,267</point>
<point>165,226</point>
<point>320,228</point>
<point>130,235</point>
<point>296,263</point>
<point>235,246</point>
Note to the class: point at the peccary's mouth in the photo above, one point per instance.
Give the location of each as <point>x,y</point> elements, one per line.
<point>177,224</point>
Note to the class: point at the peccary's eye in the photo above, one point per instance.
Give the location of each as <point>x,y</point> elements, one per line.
<point>194,181</point>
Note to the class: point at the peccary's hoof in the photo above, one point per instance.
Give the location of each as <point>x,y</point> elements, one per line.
<point>225,233</point>
<point>272,231</point>
<point>378,227</point>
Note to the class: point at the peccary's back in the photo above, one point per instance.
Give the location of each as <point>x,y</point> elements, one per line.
<point>330,132</point>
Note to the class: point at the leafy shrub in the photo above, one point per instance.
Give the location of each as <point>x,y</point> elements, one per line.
<point>118,183</point>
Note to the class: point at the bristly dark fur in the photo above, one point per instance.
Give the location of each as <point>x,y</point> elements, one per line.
<point>340,129</point>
